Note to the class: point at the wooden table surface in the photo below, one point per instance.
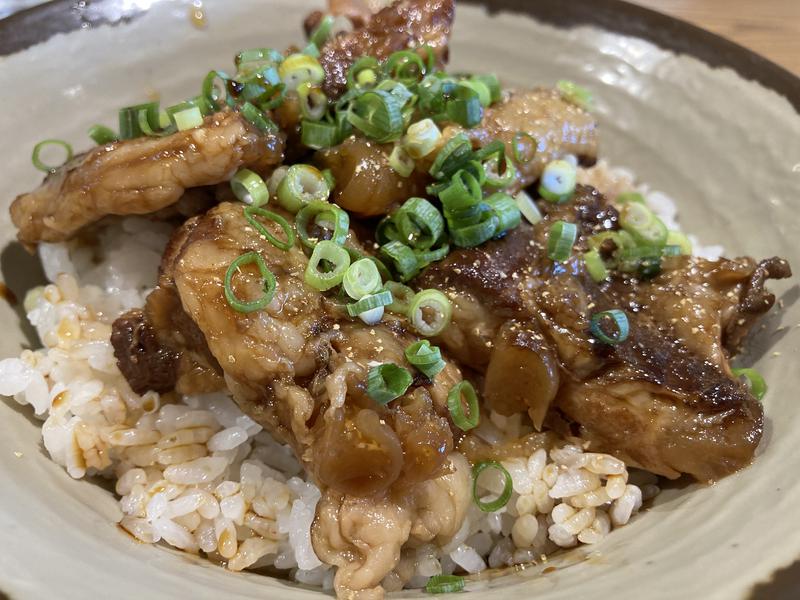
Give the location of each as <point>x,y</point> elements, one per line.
<point>770,27</point>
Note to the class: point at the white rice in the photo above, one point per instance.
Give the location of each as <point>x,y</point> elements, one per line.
<point>196,473</point>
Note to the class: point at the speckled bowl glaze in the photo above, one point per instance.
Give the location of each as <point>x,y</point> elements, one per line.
<point>727,149</point>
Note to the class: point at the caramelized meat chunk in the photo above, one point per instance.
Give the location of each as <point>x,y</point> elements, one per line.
<point>141,176</point>
<point>143,361</point>
<point>404,24</point>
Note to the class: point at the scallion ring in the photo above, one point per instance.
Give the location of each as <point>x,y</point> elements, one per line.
<point>322,31</point>
<point>575,94</point>
<point>327,266</point>
<point>405,66</point>
<point>362,73</point>
<point>248,187</point>
<point>313,101</point>
<point>558,181</point>
<point>426,358</point>
<point>676,238</point>
<point>464,107</point>
<point>37,162</point>
<point>402,296</point>
<point>508,486</point>
<point>251,212</point>
<point>430,312</point>
<point>493,168</point>
<point>506,211</point>
<point>464,191</point>
<point>618,319</point>
<point>102,135</point>
<point>419,223</point>
<point>755,382</point>
<point>257,118</point>
<point>301,185</point>
<point>387,382</point>
<point>317,135</point>
<point>421,138</point>
<point>645,227</point>
<point>212,93</point>
<point>370,302</point>
<point>453,155</point>
<point>402,258</point>
<point>267,283</point>
<point>459,394</point>
<point>361,279</point>
<point>560,239</point>
<point>471,236</point>
<point>377,114</point>
<point>188,118</point>
<point>528,207</point>
<point>401,162</point>
<point>325,216</point>
<point>595,266</point>
<point>300,68</point>
<point>445,584</point>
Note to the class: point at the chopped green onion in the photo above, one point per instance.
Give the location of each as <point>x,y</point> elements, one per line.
<point>645,261</point>
<point>508,486</point>
<point>334,259</point>
<point>453,155</point>
<point>250,213</point>
<point>493,168</point>
<point>676,238</point>
<point>318,135</point>
<point>326,216</point>
<point>528,207</point>
<point>377,114</point>
<point>248,187</point>
<point>419,223</point>
<point>465,107</point>
<point>558,181</point>
<point>460,392</point>
<point>619,240</point>
<point>38,148</point>
<point>430,312</point>
<point>257,118</point>
<point>480,88</point>
<point>211,93</point>
<point>620,322</point>
<point>426,257</point>
<point>470,236</point>
<point>300,68</point>
<point>671,250</point>
<point>401,162</point>
<point>421,138</point>
<point>311,50</point>
<point>102,135</point>
<point>426,358</point>
<point>405,66</point>
<point>402,296</point>
<point>524,147</point>
<point>575,94</point>
<point>301,185</point>
<point>322,31</point>
<point>492,83</point>
<point>313,101</point>
<point>560,240</point>
<point>188,118</point>
<point>363,73</point>
<point>259,55</point>
<point>445,584</point>
<point>275,180</point>
<point>402,259</point>
<point>645,227</point>
<point>755,382</point>
<point>595,266</point>
<point>362,279</point>
<point>370,302</point>
<point>625,197</point>
<point>387,382</point>
<point>130,120</point>
<point>506,211</point>
<point>463,191</point>
<point>267,278</point>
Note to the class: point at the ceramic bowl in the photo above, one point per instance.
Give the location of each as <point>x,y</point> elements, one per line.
<point>724,143</point>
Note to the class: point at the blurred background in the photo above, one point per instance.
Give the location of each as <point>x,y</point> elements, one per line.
<point>770,27</point>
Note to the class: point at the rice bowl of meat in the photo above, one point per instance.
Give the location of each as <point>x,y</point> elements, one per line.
<point>275,437</point>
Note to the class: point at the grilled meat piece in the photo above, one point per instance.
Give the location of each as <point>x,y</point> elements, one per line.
<point>141,176</point>
<point>664,399</point>
<point>404,24</point>
<point>554,128</point>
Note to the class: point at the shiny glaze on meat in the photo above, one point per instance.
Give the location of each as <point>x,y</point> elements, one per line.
<point>558,128</point>
<point>141,176</point>
<point>664,399</point>
<point>404,24</point>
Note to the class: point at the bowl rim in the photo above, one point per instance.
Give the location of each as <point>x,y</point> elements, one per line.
<point>37,24</point>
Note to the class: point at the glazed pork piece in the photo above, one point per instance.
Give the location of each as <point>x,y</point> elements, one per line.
<point>299,368</point>
<point>141,176</point>
<point>665,399</point>
<point>404,24</point>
